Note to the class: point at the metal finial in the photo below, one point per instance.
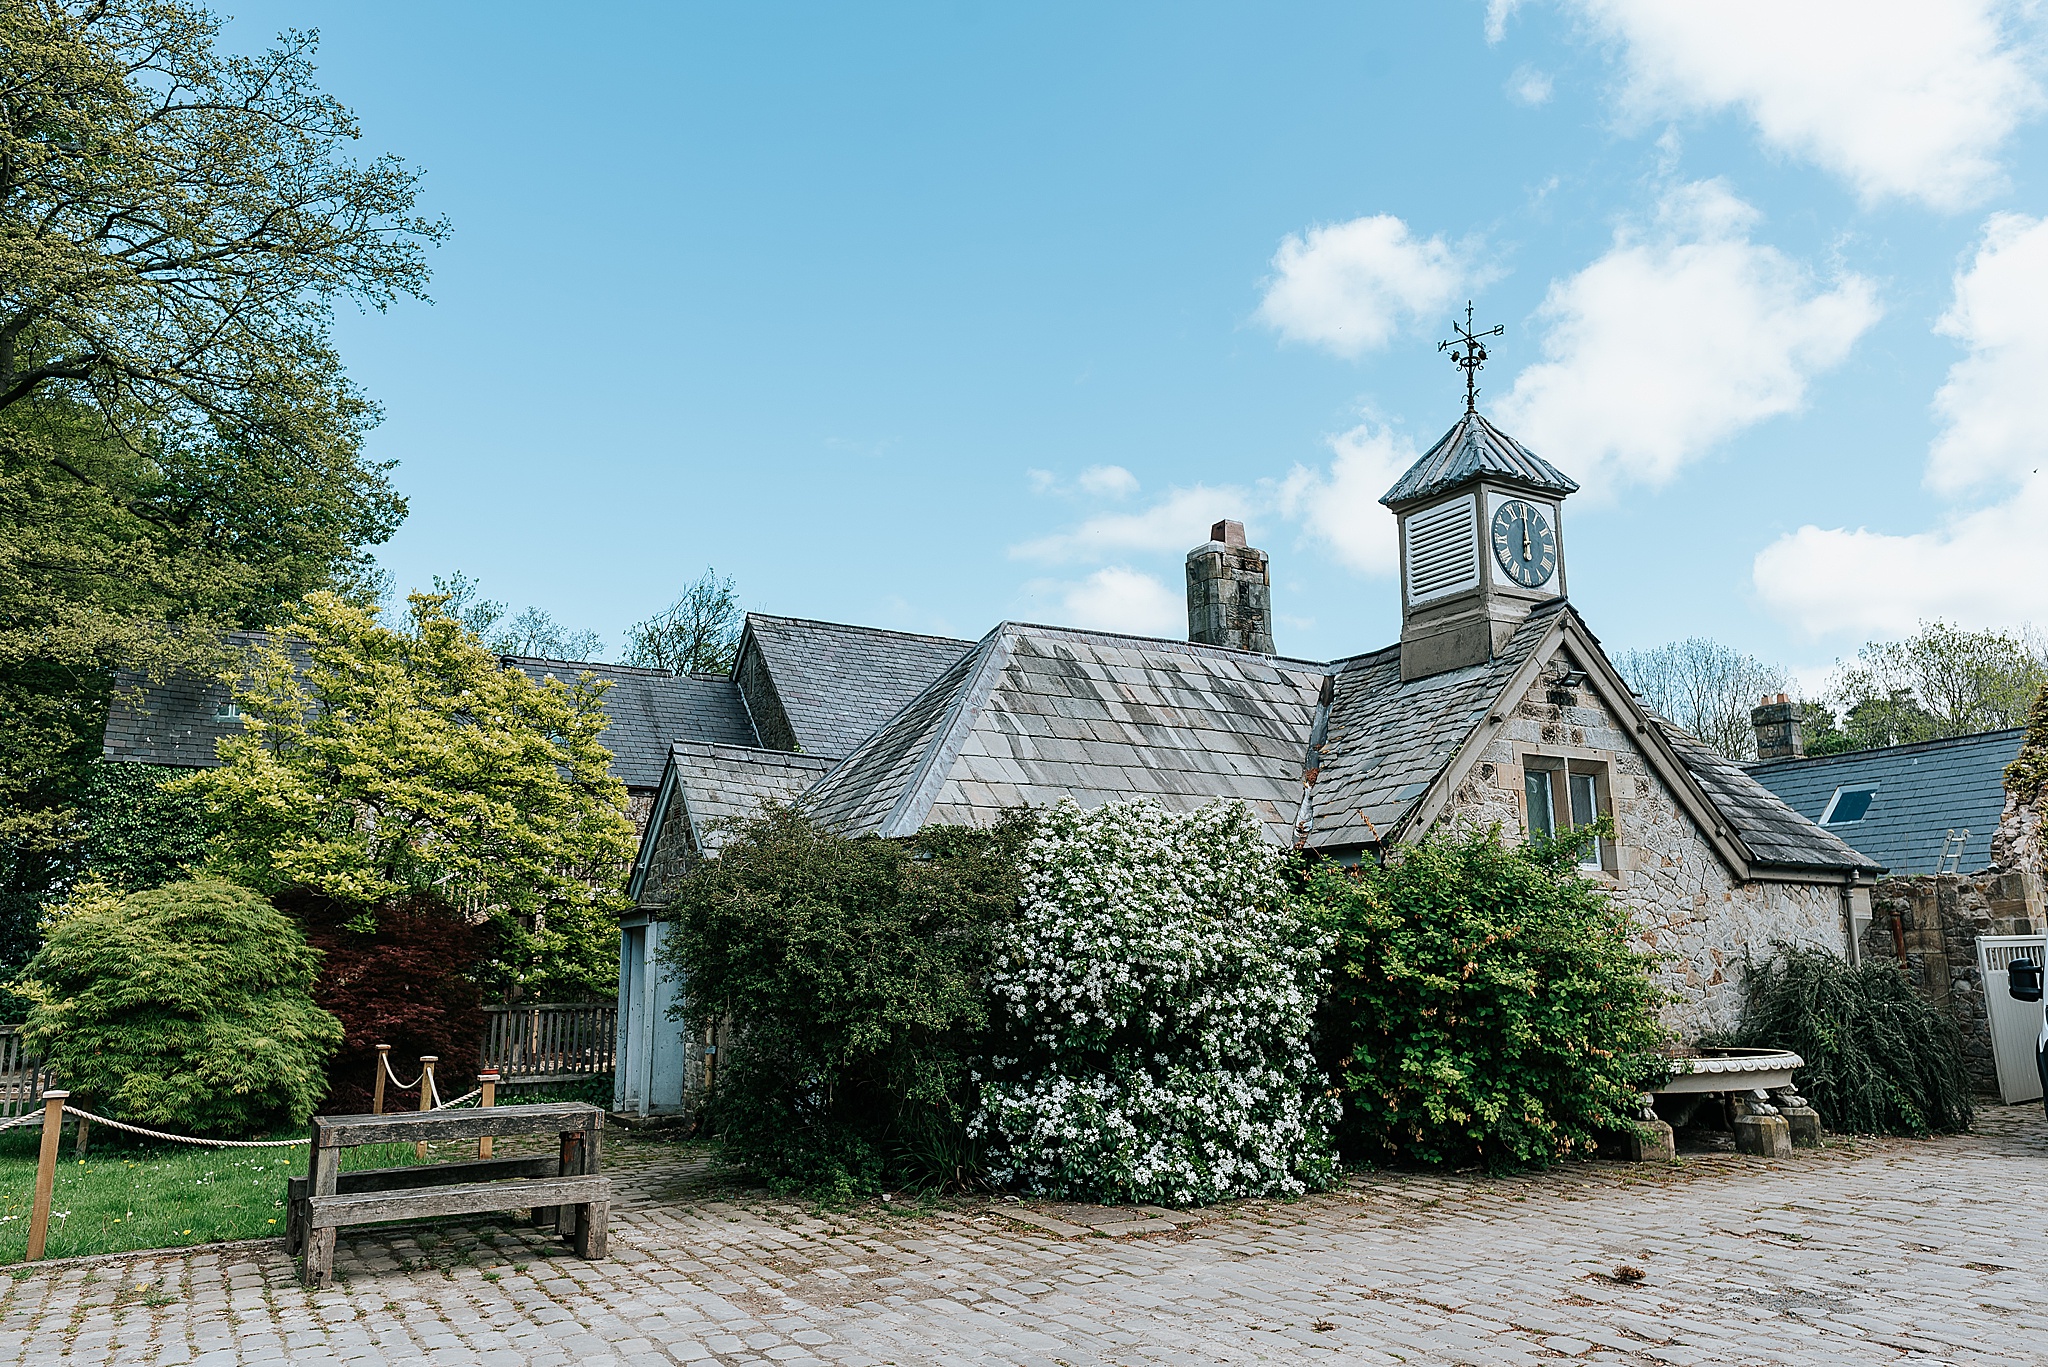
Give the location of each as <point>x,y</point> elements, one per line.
<point>1473,356</point>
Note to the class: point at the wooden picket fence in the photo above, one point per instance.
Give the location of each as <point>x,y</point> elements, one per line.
<point>550,1042</point>
<point>21,1080</point>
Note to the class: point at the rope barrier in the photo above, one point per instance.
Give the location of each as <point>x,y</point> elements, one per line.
<point>385,1060</point>
<point>33,1117</point>
<point>185,1138</point>
<point>466,1096</point>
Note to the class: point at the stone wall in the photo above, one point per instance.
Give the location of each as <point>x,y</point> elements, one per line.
<point>1931,924</point>
<point>1693,909</point>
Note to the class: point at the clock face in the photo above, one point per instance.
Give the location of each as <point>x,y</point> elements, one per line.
<point>1523,543</point>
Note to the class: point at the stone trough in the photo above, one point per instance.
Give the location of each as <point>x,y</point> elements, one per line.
<point>1764,1110</point>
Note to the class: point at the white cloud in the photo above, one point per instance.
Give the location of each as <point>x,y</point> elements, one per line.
<point>1117,598</point>
<point>1980,567</point>
<point>1497,12</point>
<point>1179,520</point>
<point>1901,98</point>
<point>1676,339</point>
<point>1993,400</point>
<point>1342,507</point>
<point>1349,286</point>
<point>1108,481</point>
<point>1529,86</point>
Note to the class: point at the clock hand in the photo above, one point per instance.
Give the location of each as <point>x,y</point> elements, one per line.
<point>1525,537</point>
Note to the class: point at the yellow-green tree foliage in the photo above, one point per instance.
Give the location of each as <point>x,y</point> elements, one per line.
<point>382,764</point>
<point>188,1007</point>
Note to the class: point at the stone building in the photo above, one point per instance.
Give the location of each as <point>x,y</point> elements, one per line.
<point>1963,858</point>
<point>1497,705</point>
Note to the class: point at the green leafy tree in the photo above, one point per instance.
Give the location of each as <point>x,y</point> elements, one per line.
<point>852,974</point>
<point>188,1007</point>
<point>1488,1005</point>
<point>383,765</point>
<point>1941,681</point>
<point>180,450</point>
<point>699,633</point>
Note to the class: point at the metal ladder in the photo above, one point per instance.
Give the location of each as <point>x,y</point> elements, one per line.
<point>1952,847</point>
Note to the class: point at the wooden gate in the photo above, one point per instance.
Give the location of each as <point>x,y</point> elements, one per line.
<point>21,1081</point>
<point>2015,1026</point>
<point>550,1041</point>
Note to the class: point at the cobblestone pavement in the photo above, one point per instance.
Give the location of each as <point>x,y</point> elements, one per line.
<point>1871,1251</point>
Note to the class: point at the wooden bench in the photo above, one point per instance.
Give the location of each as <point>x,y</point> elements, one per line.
<point>565,1189</point>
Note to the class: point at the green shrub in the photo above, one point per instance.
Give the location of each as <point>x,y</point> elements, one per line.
<point>187,1007</point>
<point>1488,1005</point>
<point>1880,1059</point>
<point>851,972</point>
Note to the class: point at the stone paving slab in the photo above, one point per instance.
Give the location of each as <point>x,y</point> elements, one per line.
<point>1872,1251</point>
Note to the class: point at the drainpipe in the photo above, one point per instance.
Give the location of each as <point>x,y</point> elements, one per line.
<point>1849,920</point>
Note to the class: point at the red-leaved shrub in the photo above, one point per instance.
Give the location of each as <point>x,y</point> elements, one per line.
<point>403,975</point>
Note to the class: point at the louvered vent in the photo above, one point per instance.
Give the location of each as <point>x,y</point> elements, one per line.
<point>1443,551</point>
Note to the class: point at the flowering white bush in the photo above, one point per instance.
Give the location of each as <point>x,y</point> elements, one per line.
<point>1152,1008</point>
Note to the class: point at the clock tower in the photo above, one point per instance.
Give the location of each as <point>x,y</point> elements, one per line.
<point>1481,544</point>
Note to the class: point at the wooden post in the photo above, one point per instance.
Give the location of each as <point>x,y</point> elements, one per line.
<point>377,1089</point>
<point>488,1081</point>
<point>46,1174</point>
<point>427,1062</point>
<point>82,1137</point>
<point>323,1166</point>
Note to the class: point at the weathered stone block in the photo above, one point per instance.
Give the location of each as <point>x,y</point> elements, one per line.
<point>1656,1146</point>
<point>1805,1123</point>
<point>1764,1136</point>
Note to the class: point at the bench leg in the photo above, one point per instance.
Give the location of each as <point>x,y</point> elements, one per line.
<point>294,1229</point>
<point>320,1257</point>
<point>593,1229</point>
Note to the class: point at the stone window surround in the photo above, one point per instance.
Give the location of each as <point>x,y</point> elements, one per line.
<point>1566,760</point>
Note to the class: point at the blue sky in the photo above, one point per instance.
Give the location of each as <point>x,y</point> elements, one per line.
<point>930,315</point>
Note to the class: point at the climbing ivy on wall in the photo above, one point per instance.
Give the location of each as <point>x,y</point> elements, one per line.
<point>141,835</point>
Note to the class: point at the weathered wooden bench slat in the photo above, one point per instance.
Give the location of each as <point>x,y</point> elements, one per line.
<point>296,1189</point>
<point>342,1131</point>
<point>432,1175</point>
<point>364,1207</point>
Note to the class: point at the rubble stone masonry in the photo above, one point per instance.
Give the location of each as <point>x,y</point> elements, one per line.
<point>1693,909</point>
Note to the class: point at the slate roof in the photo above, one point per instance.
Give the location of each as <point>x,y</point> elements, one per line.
<point>1472,448</point>
<point>173,721</point>
<point>838,683</point>
<point>724,781</point>
<point>650,708</point>
<point>1038,713</point>
<point>1388,740</point>
<point>1923,792</point>
<point>1774,832</point>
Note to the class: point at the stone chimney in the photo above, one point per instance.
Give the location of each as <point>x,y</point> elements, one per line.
<point>1230,599</point>
<point>1777,728</point>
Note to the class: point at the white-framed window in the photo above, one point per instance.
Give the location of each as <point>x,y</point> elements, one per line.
<point>1850,803</point>
<point>228,711</point>
<point>1560,794</point>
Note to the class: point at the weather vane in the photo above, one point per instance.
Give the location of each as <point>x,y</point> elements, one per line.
<point>1473,355</point>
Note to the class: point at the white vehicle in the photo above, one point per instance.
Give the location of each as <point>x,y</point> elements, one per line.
<point>2023,983</point>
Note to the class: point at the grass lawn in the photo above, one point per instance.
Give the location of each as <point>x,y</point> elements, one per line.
<point>125,1196</point>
